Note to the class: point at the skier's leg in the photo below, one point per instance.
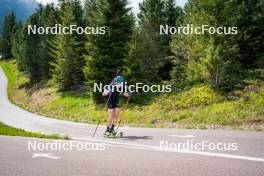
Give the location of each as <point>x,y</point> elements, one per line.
<point>110,119</point>
<point>116,115</point>
<point>115,118</point>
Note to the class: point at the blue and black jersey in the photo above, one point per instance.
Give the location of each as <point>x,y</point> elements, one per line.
<point>113,96</point>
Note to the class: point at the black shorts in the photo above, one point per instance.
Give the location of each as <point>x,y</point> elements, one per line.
<point>113,105</point>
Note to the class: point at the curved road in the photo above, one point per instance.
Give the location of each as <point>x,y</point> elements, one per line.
<point>139,152</point>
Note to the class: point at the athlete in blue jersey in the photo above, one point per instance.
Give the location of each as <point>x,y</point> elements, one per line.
<point>113,91</point>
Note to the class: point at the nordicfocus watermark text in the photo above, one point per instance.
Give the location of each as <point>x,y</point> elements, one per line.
<point>59,29</point>
<point>64,146</point>
<point>138,87</point>
<point>190,145</point>
<point>198,30</point>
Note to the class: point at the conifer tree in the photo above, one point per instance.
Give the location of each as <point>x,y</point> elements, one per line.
<point>18,47</point>
<point>107,53</point>
<point>35,58</point>
<point>152,48</point>
<point>7,34</point>
<point>66,51</point>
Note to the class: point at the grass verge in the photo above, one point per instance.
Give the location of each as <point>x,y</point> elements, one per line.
<point>10,131</point>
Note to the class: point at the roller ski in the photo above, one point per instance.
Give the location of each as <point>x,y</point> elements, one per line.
<point>112,134</point>
<point>115,135</point>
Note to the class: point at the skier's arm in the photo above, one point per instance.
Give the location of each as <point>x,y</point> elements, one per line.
<point>105,93</point>
<point>126,94</point>
<point>108,90</point>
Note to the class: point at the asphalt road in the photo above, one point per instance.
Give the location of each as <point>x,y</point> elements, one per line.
<point>139,152</point>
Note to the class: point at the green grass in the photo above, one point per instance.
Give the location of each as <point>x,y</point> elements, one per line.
<point>198,107</point>
<point>11,74</point>
<point>10,131</point>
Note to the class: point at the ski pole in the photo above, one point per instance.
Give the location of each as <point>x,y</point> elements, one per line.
<point>101,115</point>
<point>125,110</point>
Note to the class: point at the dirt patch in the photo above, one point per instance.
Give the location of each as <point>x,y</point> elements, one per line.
<point>40,98</point>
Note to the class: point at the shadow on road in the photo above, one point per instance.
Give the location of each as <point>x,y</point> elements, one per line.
<point>134,138</point>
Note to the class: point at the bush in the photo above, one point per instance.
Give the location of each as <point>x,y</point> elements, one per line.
<point>197,96</point>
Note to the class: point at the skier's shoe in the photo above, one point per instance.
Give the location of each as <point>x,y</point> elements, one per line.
<point>107,132</point>
<point>110,133</point>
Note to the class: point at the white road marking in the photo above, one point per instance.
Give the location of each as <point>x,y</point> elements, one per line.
<point>157,148</point>
<point>45,155</point>
<point>182,136</point>
<point>222,155</point>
